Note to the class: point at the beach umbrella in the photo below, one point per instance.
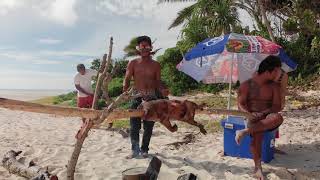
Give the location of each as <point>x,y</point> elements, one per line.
<point>229,58</point>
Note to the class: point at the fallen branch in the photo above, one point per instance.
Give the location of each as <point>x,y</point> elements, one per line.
<point>30,171</point>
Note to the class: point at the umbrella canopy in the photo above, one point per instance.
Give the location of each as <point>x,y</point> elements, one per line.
<point>213,60</point>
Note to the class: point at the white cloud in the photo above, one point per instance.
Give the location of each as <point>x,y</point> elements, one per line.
<point>8,5</point>
<point>62,11</point>
<point>35,80</point>
<point>26,58</point>
<point>49,41</point>
<point>141,8</point>
<point>58,11</point>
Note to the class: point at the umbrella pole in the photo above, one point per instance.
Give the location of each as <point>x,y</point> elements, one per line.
<point>230,82</point>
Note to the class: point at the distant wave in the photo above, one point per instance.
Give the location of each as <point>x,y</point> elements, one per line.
<point>31,94</point>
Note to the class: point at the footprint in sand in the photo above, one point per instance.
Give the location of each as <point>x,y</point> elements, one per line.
<point>29,152</point>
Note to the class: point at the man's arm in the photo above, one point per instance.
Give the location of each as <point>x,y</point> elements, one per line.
<point>242,97</point>
<point>276,98</point>
<point>128,76</point>
<point>79,88</point>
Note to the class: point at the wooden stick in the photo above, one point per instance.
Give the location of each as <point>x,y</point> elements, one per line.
<point>97,90</point>
<point>103,75</point>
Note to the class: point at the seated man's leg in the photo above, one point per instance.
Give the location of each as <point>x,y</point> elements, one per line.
<point>148,127</point>
<point>270,122</point>
<point>255,148</point>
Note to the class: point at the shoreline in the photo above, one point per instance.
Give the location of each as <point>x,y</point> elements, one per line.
<point>30,94</point>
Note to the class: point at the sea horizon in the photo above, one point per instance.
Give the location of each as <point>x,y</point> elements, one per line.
<point>31,94</point>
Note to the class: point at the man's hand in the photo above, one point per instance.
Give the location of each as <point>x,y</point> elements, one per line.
<point>257,116</point>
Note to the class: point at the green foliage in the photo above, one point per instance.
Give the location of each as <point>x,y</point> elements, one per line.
<point>177,81</point>
<point>301,51</point>
<point>64,97</point>
<point>115,87</point>
<point>315,48</point>
<point>130,49</point>
<point>122,123</point>
<point>121,66</point>
<point>290,26</point>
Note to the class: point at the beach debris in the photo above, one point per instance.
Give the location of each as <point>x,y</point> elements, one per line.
<point>189,176</point>
<point>142,173</point>
<point>188,138</point>
<point>29,170</point>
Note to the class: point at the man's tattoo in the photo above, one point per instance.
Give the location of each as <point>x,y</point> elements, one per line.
<point>254,89</point>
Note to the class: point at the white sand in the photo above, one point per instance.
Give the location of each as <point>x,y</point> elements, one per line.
<point>48,140</point>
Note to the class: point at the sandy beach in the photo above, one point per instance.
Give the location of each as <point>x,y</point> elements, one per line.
<point>49,140</point>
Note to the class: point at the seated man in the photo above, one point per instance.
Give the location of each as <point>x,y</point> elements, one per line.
<point>261,97</point>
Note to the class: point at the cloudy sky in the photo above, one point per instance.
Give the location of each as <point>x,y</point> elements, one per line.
<point>42,41</point>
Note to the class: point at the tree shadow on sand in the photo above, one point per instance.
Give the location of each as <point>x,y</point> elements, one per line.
<point>302,161</point>
<point>216,169</point>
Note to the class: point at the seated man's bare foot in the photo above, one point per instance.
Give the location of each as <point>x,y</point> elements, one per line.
<point>239,135</point>
<point>258,174</point>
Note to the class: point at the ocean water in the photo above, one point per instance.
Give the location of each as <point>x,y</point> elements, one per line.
<point>30,94</point>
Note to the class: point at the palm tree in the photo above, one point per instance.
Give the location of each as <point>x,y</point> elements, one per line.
<point>220,15</point>
<point>257,11</point>
<point>130,49</point>
<point>265,20</point>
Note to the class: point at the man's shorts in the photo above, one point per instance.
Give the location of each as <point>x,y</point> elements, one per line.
<point>85,102</point>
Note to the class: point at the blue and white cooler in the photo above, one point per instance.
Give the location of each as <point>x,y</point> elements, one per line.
<point>231,148</point>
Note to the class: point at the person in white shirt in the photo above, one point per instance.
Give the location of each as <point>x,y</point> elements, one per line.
<point>82,81</point>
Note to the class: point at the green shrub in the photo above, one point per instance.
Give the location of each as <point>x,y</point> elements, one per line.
<point>115,87</point>
<point>64,97</point>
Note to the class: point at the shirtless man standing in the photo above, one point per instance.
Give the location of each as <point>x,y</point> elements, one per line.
<point>261,97</point>
<point>146,76</point>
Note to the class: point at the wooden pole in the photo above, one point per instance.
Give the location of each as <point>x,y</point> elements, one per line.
<point>48,109</point>
<point>102,76</point>
<point>83,132</point>
<point>94,114</point>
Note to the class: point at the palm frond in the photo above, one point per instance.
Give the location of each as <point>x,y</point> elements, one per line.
<point>169,1</point>
<point>183,15</point>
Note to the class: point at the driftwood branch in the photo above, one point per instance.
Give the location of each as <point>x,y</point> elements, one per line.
<point>30,171</point>
<point>97,91</point>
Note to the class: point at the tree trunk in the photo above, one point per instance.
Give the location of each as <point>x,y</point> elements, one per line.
<point>30,171</point>
<point>101,78</point>
<point>265,20</point>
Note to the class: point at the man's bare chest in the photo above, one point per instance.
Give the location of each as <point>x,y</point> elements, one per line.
<point>144,71</point>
